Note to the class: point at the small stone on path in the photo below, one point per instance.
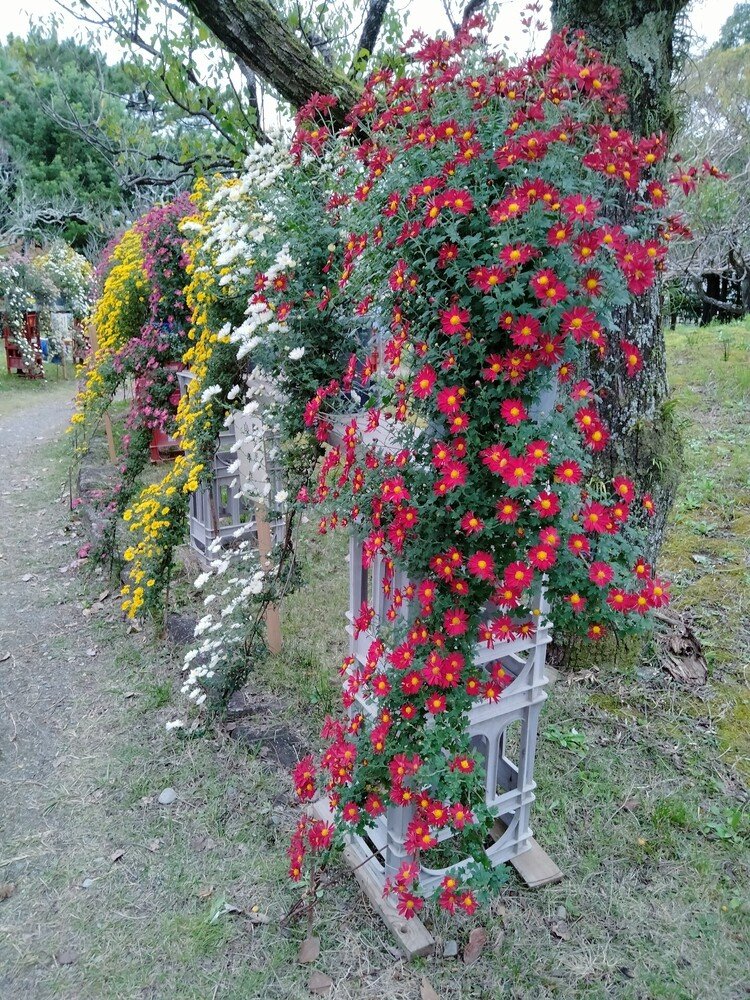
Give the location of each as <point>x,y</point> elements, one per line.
<point>167,797</point>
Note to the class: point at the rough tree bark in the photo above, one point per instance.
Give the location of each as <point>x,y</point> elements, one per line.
<point>254,32</point>
<point>639,37</point>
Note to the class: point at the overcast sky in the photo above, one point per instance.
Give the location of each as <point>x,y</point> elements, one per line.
<point>707,17</point>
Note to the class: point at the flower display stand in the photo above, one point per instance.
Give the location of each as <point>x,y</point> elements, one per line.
<point>503,734</point>
<point>14,358</point>
<point>246,470</point>
<point>219,512</point>
<point>162,446</point>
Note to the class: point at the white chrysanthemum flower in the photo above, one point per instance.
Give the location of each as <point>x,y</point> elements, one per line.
<point>210,392</point>
<point>296,353</point>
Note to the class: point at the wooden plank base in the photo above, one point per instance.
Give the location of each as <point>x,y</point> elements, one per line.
<point>536,867</point>
<point>411,935</point>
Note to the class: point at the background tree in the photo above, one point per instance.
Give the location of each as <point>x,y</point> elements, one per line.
<point>736,29</point>
<point>50,177</point>
<point>219,61</point>
<point>709,275</point>
<point>84,145</point>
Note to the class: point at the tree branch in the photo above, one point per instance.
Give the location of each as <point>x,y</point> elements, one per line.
<point>470,10</point>
<point>369,37</point>
<point>728,307</point>
<point>254,32</point>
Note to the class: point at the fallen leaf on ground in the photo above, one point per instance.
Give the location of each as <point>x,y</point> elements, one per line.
<point>7,889</point>
<point>116,856</point>
<point>309,950</point>
<point>26,577</point>
<point>475,947</point>
<point>224,910</point>
<point>90,652</point>
<point>206,891</point>
<point>320,983</point>
<point>154,845</point>
<point>560,929</point>
<point>258,918</point>
<point>4,657</point>
<point>426,990</point>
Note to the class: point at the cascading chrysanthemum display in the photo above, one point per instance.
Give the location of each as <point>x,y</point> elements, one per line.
<point>493,218</point>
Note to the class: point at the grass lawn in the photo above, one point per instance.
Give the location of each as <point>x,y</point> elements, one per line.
<point>646,811</point>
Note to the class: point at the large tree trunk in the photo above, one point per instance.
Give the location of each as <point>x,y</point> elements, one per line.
<point>254,32</point>
<point>638,36</point>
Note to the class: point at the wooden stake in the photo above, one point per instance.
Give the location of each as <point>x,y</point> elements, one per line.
<point>94,342</point>
<point>273,622</point>
<point>110,438</point>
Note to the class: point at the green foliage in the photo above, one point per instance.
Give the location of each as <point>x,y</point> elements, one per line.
<point>736,29</point>
<point>44,160</point>
<point>84,144</point>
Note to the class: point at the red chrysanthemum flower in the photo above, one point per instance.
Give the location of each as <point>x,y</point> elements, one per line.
<point>513,411</point>
<point>423,382</point>
<point>568,472</point>
<point>507,510</point>
<point>546,504</point>
<point>471,524</point>
<point>447,253</point>
<point>633,358</point>
<point>481,565</point>
<point>594,517</point>
<point>454,320</point>
<point>600,573</point>
<point>518,575</point>
<point>449,399</point>
<point>487,279</point>
<point>576,602</point>
<point>517,254</point>
<point>526,331</point>
<point>542,556</point>
<point>579,545</point>
<point>455,621</point>
<point>436,704</point>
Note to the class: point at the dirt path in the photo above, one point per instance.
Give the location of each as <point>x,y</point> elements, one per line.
<point>44,680</point>
<point>105,893</point>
